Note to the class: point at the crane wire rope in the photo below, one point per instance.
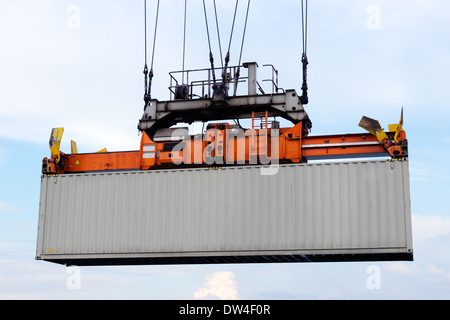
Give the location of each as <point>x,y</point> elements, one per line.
<point>148,89</point>
<point>211,57</point>
<point>243,34</point>
<point>218,33</point>
<point>145,55</point>
<point>232,26</point>
<point>154,37</point>
<point>238,71</point>
<point>304,97</point>
<point>227,57</point>
<point>184,41</point>
<point>304,26</point>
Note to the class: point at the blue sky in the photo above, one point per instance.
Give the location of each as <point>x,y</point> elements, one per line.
<point>78,64</point>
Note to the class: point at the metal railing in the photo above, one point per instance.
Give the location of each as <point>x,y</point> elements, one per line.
<point>199,82</point>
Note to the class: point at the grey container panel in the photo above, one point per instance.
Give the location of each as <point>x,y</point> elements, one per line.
<point>305,212</point>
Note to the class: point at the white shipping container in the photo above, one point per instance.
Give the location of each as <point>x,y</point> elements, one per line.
<point>346,211</point>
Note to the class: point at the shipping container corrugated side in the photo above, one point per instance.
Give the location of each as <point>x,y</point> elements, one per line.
<point>346,211</point>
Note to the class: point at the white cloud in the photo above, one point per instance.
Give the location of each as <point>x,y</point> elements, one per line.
<point>428,271</point>
<point>401,268</point>
<point>2,155</point>
<point>7,207</point>
<point>433,270</point>
<point>419,171</point>
<point>429,227</point>
<point>220,285</point>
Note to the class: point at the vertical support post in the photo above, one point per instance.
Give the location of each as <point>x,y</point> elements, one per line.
<point>251,66</point>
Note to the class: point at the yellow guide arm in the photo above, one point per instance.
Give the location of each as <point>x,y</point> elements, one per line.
<point>397,127</point>
<point>374,127</point>
<point>55,142</point>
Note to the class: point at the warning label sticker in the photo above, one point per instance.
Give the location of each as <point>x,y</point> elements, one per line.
<point>77,162</point>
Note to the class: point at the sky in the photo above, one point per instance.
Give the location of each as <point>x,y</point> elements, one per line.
<point>78,64</point>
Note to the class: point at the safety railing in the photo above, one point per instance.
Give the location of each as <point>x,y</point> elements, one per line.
<point>198,83</point>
